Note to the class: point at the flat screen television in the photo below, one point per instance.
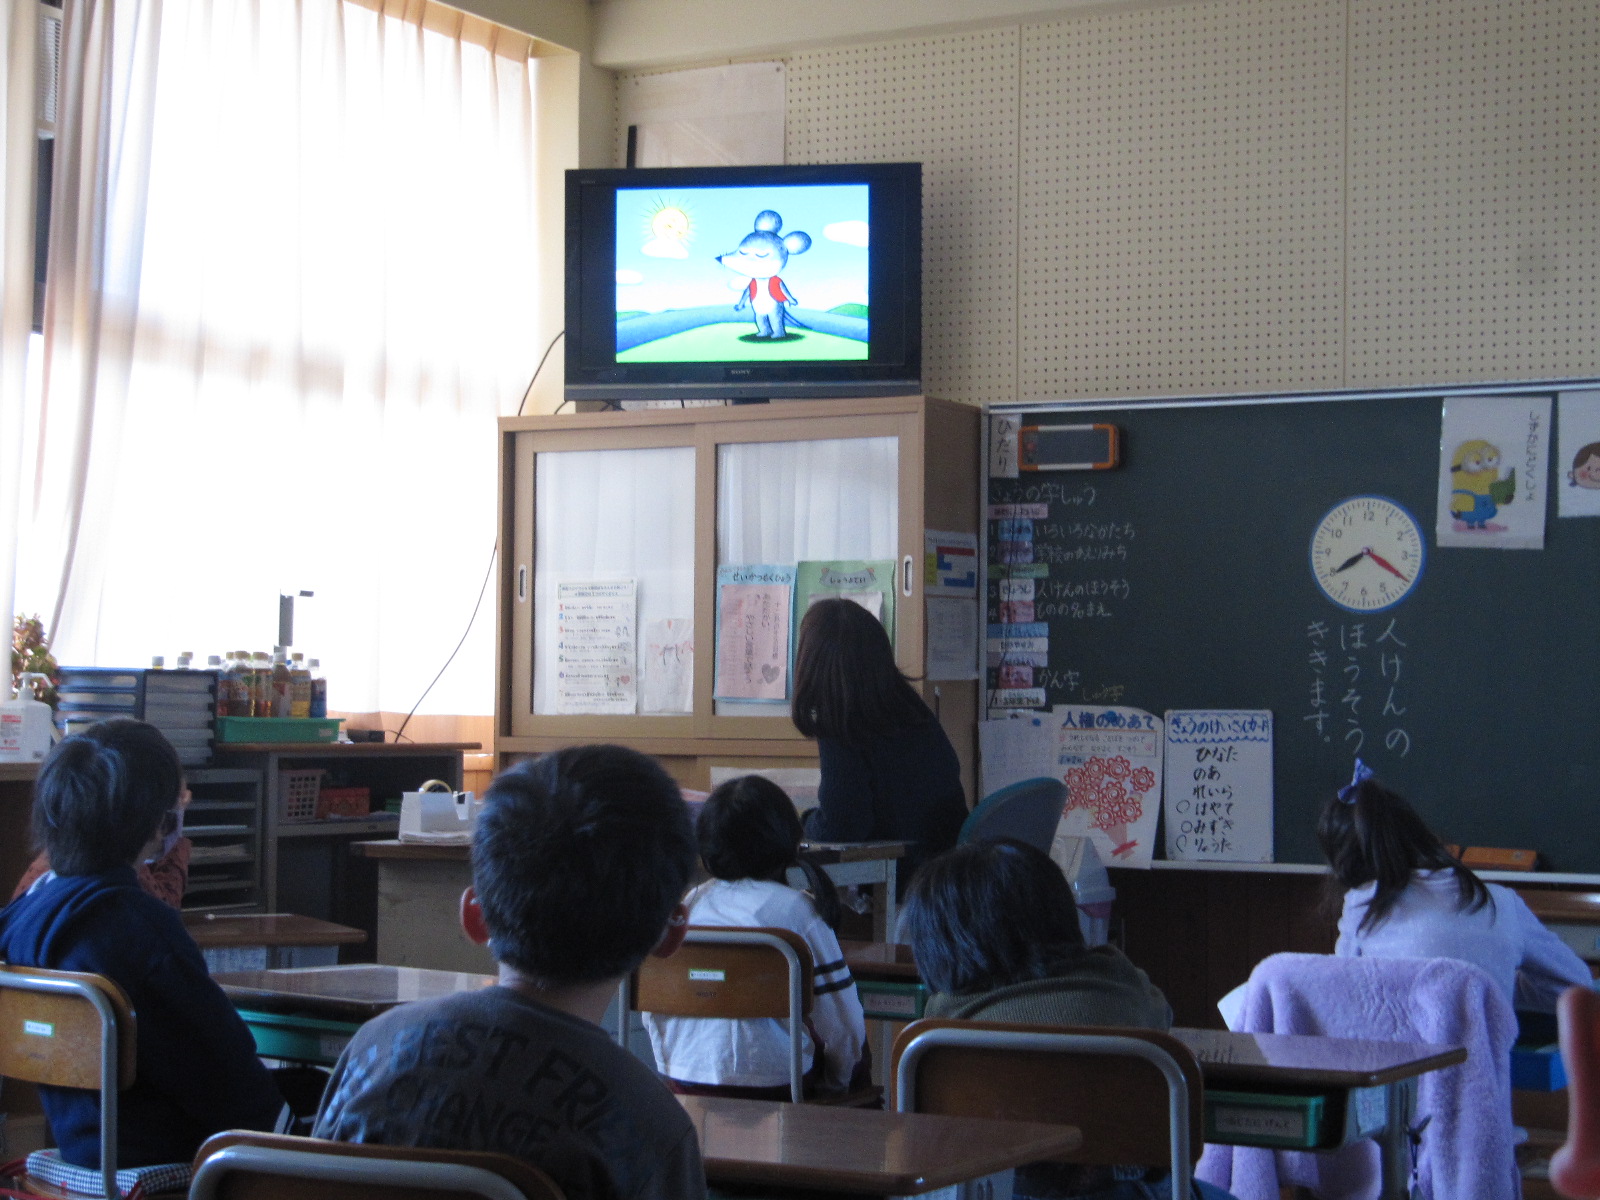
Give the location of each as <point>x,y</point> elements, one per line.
<point>746,283</point>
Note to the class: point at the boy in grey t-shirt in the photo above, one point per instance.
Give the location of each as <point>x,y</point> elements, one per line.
<point>579,866</point>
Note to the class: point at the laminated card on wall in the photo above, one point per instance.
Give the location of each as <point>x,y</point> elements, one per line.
<point>1219,785</point>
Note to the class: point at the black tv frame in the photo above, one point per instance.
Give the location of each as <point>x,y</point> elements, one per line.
<point>894,365</point>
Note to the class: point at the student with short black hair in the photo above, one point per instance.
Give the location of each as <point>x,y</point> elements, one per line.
<point>1407,896</point>
<point>994,929</point>
<point>99,804</point>
<point>749,836</point>
<point>888,770</point>
<point>579,863</point>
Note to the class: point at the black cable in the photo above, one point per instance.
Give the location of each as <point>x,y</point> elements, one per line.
<point>493,554</point>
<point>528,391</point>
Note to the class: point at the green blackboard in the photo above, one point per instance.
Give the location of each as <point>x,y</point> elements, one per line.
<point>1182,580</point>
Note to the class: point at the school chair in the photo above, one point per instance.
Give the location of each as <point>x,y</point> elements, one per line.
<point>1575,1167</point>
<point>1028,811</point>
<point>76,1030</point>
<point>1457,1120</point>
<point>1135,1093</point>
<point>241,1165</point>
<point>739,973</point>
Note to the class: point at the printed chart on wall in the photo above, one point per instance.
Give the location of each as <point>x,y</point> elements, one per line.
<point>1396,576</point>
<point>595,647</point>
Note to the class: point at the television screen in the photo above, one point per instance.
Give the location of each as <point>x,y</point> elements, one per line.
<point>744,282</point>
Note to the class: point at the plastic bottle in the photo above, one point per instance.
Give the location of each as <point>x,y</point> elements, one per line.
<point>240,703</point>
<point>157,662</point>
<point>25,725</point>
<point>260,684</point>
<point>319,689</point>
<point>214,665</point>
<point>299,686</point>
<point>282,694</point>
<point>185,660</point>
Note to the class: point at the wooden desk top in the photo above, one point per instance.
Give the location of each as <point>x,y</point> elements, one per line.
<point>1575,908</point>
<point>357,992</point>
<point>888,961</point>
<point>1291,1060</point>
<point>831,852</point>
<point>423,851</point>
<point>776,1144</point>
<point>822,852</point>
<point>344,749</point>
<point>18,772</point>
<point>213,931</point>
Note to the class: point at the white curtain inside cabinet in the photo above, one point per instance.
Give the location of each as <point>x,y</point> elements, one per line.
<point>788,502</point>
<point>604,515</point>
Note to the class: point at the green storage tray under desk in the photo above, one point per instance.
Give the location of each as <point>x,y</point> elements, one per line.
<point>884,1001</point>
<point>299,1039</point>
<point>1266,1119</point>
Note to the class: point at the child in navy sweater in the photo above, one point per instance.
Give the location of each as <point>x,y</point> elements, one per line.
<point>98,806</point>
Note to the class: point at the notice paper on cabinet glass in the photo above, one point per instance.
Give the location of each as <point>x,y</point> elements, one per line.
<point>596,647</point>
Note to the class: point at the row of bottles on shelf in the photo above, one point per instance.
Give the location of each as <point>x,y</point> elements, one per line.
<point>252,685</point>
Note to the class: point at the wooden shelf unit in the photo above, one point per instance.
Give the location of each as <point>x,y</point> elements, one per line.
<point>936,488</point>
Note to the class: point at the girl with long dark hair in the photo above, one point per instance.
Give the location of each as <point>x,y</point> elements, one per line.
<point>1407,896</point>
<point>888,770</point>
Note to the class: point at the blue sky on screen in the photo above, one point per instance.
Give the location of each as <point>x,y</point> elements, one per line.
<point>668,240</point>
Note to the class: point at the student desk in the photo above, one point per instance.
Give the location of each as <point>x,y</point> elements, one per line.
<point>257,941</point>
<point>821,1149</point>
<point>1574,917</point>
<point>309,1014</point>
<point>1275,1090</point>
<point>420,886</point>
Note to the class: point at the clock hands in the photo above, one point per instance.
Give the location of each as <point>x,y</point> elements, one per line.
<point>1385,564</point>
<point>1369,552</point>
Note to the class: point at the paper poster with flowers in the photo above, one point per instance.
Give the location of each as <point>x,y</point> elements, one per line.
<point>1110,760</point>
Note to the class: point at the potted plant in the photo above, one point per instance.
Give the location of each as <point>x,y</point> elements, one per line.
<point>30,651</point>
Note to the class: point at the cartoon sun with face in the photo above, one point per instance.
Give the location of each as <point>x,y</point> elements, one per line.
<point>668,229</point>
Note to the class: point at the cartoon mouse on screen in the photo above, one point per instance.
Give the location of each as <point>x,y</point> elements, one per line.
<point>759,258</point>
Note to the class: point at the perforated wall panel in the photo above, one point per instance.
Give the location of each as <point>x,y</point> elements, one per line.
<point>949,103</point>
<point>1239,195</point>
<point>1474,190</point>
<point>1180,200</point>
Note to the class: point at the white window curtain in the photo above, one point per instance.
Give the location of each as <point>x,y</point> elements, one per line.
<point>18,148</point>
<point>293,282</point>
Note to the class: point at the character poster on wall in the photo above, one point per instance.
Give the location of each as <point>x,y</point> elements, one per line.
<point>1578,460</point>
<point>1494,456</point>
<point>1110,759</point>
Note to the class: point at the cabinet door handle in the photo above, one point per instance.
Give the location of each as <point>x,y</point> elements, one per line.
<point>522,583</point>
<point>906,565</point>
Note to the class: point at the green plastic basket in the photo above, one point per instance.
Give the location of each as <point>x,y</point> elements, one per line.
<point>269,730</point>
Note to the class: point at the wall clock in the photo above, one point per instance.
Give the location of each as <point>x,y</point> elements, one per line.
<point>1367,553</point>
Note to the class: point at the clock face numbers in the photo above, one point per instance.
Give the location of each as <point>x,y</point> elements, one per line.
<point>1367,553</point>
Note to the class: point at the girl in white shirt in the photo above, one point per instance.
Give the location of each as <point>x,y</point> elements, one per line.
<point>1409,897</point>
<point>749,837</point>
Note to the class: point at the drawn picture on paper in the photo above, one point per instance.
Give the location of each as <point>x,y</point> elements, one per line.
<point>667,677</point>
<point>1578,481</point>
<point>1493,459</point>
<point>1479,486</point>
<point>1110,760</point>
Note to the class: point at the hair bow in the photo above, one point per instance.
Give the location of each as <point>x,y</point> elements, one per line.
<point>1347,794</point>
